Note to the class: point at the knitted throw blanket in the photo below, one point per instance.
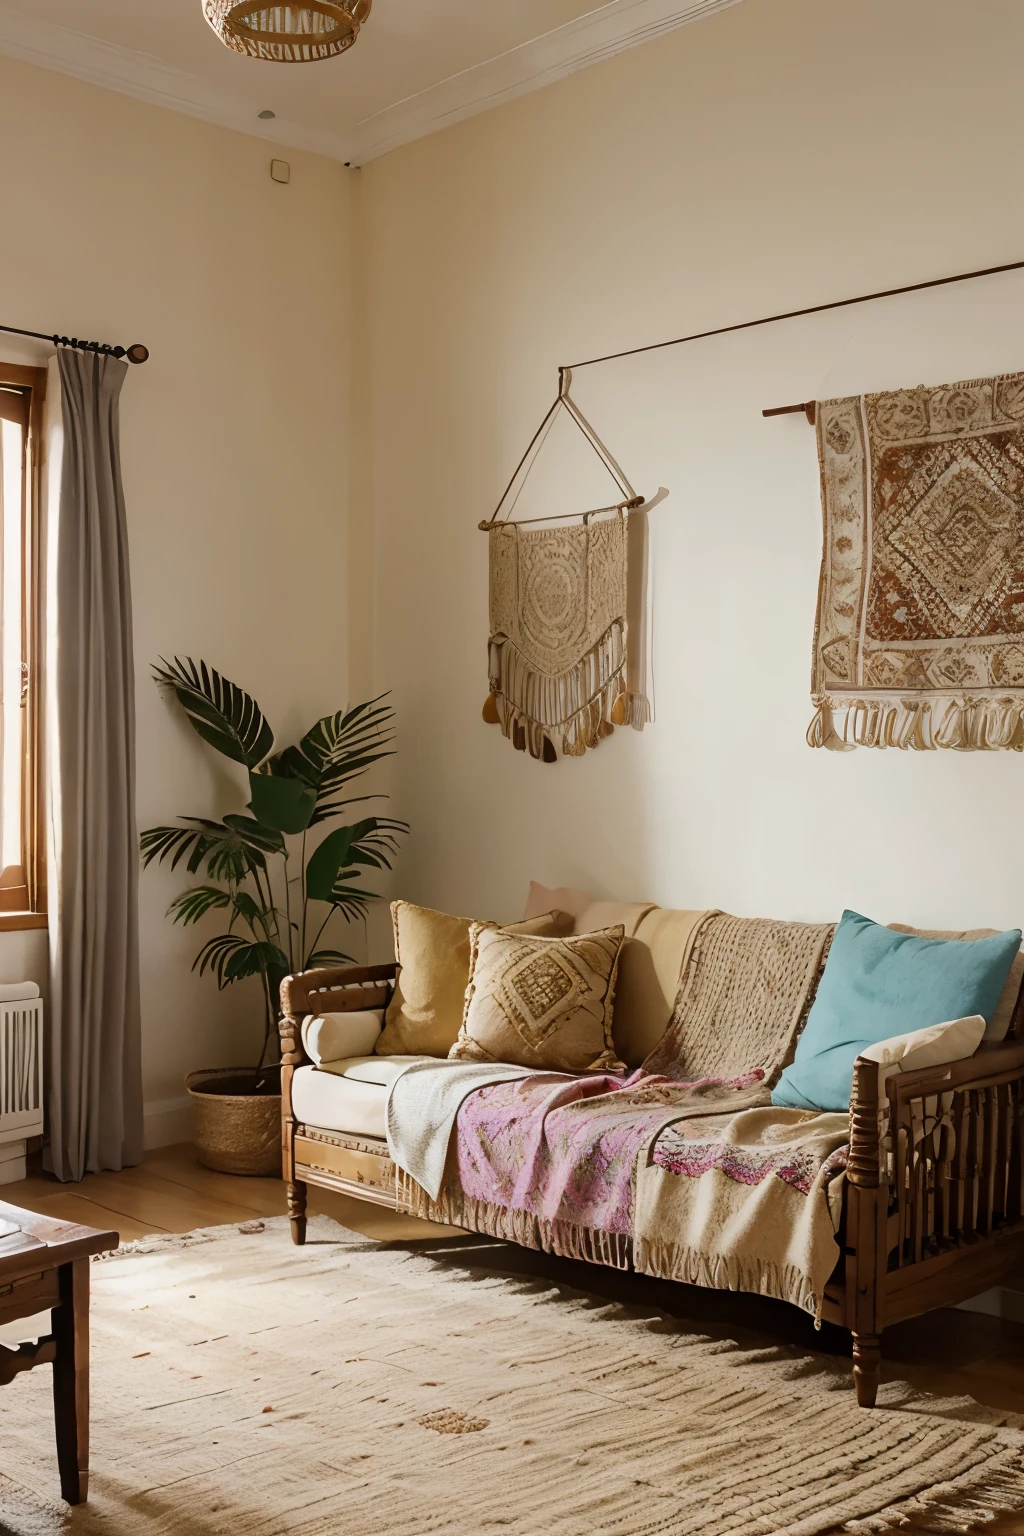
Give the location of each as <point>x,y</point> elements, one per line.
<point>744,1202</point>
<point>919,639</point>
<point>746,988</point>
<point>567,644</point>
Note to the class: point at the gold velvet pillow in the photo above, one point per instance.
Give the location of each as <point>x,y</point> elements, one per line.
<point>432,950</point>
<point>538,1002</point>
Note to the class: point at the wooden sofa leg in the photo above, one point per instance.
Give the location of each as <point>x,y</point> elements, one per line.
<point>867,1367</point>
<point>296,1193</point>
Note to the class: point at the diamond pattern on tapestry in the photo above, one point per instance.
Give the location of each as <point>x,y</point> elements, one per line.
<point>919,640</point>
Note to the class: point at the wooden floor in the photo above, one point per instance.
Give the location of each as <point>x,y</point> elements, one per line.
<point>978,1356</point>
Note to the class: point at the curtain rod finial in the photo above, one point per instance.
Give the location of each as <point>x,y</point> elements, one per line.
<point>137,353</point>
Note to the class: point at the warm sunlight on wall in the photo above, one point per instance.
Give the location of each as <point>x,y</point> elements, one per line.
<point>778,154</point>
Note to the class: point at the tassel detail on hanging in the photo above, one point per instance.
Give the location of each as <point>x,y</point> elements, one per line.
<point>582,705</point>
<point>963,725</point>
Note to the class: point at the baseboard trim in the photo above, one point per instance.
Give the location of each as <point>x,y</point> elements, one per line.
<point>12,1162</point>
<point>166,1121</point>
<point>1001,1301</point>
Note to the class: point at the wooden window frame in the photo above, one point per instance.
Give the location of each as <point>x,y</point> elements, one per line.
<point>23,887</point>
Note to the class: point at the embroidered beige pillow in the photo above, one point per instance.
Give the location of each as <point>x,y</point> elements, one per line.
<point>538,1002</point>
<point>432,950</point>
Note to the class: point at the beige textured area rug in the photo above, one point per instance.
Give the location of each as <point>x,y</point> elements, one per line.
<point>242,1385</point>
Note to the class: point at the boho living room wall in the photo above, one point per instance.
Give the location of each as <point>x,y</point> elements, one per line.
<point>130,223</point>
<point>778,154</point>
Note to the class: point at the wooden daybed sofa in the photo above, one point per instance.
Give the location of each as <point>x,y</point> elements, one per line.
<point>917,1232</point>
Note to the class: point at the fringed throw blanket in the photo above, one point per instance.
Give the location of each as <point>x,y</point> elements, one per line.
<point>745,990</point>
<point>919,639</point>
<point>744,1202</point>
<point>550,1165</point>
<point>568,633</point>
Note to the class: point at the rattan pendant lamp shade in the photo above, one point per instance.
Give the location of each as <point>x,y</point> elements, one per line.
<point>296,33</point>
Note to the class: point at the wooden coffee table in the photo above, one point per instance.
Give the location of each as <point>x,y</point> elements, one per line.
<point>44,1265</point>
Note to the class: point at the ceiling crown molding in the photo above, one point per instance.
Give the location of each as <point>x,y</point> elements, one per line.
<point>592,38</point>
<point>599,35</point>
<point>36,41</point>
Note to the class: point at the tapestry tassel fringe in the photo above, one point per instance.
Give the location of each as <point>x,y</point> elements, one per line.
<point>966,725</point>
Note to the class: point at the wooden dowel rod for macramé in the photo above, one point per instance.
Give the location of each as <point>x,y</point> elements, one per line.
<point>574,517</point>
<point>809,408</point>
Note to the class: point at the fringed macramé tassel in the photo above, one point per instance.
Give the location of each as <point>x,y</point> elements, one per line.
<point>577,707</point>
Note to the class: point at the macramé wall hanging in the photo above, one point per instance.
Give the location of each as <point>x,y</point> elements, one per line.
<point>919,640</point>
<point>568,623</point>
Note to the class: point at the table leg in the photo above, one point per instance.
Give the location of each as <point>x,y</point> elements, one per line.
<point>71,1380</point>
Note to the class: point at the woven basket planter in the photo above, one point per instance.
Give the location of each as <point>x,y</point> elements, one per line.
<point>236,1130</point>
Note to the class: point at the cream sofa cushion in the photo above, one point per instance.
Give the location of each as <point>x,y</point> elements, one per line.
<point>649,969</point>
<point>349,1096</point>
<point>338,1036</point>
<point>935,1046</point>
<point>999,1024</point>
<point>432,950</point>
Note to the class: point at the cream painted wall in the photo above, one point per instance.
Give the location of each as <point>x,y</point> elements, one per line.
<point>125,222</point>
<point>779,154</point>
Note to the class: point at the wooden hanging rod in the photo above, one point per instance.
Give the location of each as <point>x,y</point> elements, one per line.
<point>567,517</point>
<point>809,408</point>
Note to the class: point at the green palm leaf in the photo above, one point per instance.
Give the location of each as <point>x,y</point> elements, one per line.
<point>338,749</point>
<point>219,711</point>
<point>232,958</point>
<point>230,853</point>
<point>191,905</point>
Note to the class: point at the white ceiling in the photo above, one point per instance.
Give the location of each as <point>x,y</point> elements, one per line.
<point>417,66</point>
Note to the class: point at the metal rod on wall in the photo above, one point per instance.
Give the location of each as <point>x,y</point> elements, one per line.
<point>136,353</point>
<point>808,406</point>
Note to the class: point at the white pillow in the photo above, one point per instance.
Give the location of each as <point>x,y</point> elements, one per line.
<point>336,1036</point>
<point>931,1047</point>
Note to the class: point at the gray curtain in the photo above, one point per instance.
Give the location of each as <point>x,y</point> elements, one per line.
<point>95,1095</point>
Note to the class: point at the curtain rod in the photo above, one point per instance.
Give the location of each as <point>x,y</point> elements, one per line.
<point>794,314</point>
<point>136,353</point>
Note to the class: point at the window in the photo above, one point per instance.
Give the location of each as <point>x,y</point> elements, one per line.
<point>22,851</point>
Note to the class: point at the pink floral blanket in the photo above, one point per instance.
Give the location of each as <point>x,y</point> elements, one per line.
<point>551,1165</point>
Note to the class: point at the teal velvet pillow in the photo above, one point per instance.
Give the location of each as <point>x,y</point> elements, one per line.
<point>877,984</point>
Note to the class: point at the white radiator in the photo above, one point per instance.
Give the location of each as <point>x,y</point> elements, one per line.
<point>21,1062</point>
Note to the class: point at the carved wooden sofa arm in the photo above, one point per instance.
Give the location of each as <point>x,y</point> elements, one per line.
<point>335,989</point>
<point>936,1168</point>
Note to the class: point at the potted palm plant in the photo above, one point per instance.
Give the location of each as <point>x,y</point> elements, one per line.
<point>281,887</point>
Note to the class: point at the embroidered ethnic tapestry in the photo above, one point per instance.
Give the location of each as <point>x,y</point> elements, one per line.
<point>567,647</point>
<point>919,638</point>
